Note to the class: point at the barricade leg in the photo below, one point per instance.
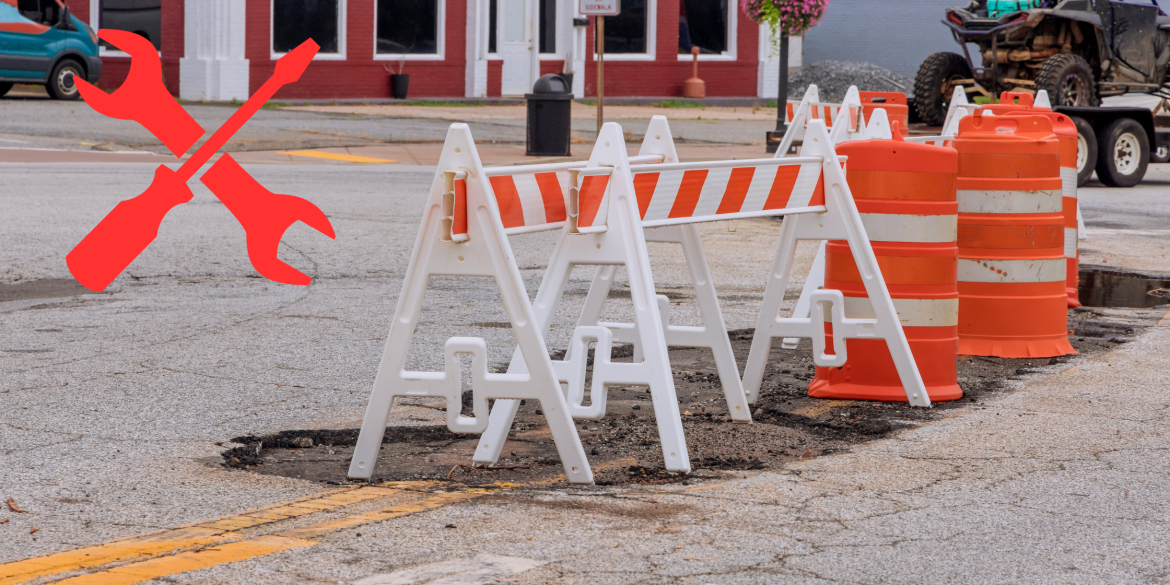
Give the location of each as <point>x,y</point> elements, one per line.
<point>621,242</point>
<point>462,235</point>
<point>840,221</point>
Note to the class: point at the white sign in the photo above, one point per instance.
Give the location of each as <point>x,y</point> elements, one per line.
<point>600,7</point>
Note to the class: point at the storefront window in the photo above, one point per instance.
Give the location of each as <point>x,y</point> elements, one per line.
<point>294,21</point>
<point>408,27</point>
<point>626,32</point>
<point>141,17</point>
<point>702,23</point>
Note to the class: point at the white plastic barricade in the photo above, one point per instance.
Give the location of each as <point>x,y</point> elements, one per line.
<point>462,234</point>
<point>845,119</point>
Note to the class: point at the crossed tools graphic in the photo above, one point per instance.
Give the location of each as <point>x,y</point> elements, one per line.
<point>133,224</point>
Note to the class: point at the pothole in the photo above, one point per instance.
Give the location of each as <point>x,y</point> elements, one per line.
<point>623,448</point>
<point>1101,286</point>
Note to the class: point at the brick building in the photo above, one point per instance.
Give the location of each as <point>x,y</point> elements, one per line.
<point>225,49</point>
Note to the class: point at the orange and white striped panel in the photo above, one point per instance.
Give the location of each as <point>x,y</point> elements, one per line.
<point>817,111</point>
<point>531,202</point>
<point>692,192</point>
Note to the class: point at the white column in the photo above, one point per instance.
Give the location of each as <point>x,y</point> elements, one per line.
<point>769,72</point>
<point>475,85</point>
<point>213,67</point>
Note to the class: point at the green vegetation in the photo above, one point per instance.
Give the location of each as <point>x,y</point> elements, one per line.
<point>442,104</point>
<point>681,104</point>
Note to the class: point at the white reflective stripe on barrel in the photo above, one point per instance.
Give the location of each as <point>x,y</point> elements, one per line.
<point>911,312</point>
<point>1068,182</point>
<point>1070,242</point>
<point>1003,271</point>
<point>980,201</point>
<point>889,227</point>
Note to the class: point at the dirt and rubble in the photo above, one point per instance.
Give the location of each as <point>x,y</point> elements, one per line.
<point>623,447</point>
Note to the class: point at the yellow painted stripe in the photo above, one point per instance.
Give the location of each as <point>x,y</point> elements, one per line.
<point>259,546</point>
<point>423,505</point>
<point>337,156</point>
<point>190,561</point>
<point>183,537</point>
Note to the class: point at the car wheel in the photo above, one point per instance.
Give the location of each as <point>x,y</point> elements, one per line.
<point>4,87</point>
<point>1123,153</point>
<point>60,83</point>
<point>1068,80</point>
<point>935,83</point>
<point>1086,150</point>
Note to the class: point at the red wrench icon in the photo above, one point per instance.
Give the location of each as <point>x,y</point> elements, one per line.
<point>133,224</point>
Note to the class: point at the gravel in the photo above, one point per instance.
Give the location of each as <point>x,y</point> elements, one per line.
<point>833,79</point>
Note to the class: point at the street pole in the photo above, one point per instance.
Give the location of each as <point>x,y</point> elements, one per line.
<point>774,138</point>
<point>600,70</point>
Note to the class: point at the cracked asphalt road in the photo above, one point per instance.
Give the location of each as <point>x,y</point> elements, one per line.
<point>112,405</point>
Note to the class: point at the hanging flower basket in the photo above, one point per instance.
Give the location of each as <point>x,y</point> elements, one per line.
<point>789,18</point>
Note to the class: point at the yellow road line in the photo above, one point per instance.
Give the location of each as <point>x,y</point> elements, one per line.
<point>190,561</point>
<point>218,541</point>
<point>183,537</point>
<point>337,156</point>
<point>259,546</point>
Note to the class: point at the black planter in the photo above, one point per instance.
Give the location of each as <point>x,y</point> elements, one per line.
<point>399,83</point>
<point>568,79</point>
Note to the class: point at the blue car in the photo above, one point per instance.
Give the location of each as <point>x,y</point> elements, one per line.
<point>41,43</point>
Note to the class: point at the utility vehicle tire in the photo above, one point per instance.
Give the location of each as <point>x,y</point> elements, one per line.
<point>931,95</point>
<point>4,87</point>
<point>1086,150</point>
<point>1123,153</point>
<point>60,82</point>
<point>1068,80</point>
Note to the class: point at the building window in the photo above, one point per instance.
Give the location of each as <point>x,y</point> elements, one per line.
<point>295,21</point>
<point>703,23</point>
<point>141,17</point>
<point>408,27</point>
<point>548,26</point>
<point>628,32</point>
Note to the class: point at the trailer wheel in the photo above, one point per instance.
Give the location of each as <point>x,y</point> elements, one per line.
<point>1086,150</point>
<point>932,85</point>
<point>1123,153</point>
<point>1068,80</point>
<point>1161,154</point>
<point>4,87</point>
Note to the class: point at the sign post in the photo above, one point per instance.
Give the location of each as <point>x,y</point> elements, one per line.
<point>600,9</point>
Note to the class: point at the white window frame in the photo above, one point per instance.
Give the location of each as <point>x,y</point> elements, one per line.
<point>95,9</point>
<point>558,36</point>
<point>732,38</point>
<point>342,11</point>
<point>440,37</point>
<point>651,38</point>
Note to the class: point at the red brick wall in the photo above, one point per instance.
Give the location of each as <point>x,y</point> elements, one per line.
<point>359,75</point>
<point>115,69</point>
<point>665,75</point>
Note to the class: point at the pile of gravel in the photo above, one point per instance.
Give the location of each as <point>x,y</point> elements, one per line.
<point>833,79</point>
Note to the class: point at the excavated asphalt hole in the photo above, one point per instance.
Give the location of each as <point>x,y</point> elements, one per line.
<point>623,447</point>
<point>1101,286</point>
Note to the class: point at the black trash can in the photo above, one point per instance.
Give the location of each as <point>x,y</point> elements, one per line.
<point>549,120</point>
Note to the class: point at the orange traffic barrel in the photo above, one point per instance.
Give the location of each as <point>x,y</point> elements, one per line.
<point>905,193</point>
<point>1012,299</point>
<point>1066,135</point>
<point>894,103</point>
